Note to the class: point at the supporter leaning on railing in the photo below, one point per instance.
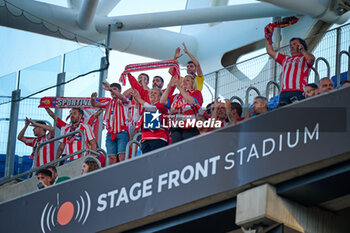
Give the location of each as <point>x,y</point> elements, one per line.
<point>183,106</point>
<point>74,143</point>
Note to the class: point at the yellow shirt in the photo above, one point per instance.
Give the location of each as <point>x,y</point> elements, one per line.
<point>199,81</point>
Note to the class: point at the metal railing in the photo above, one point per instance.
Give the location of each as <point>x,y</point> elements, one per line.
<point>338,65</point>
<point>238,99</point>
<point>268,87</point>
<point>58,138</point>
<point>35,168</point>
<point>327,64</point>
<point>133,149</point>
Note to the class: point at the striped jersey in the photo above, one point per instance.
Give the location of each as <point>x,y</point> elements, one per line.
<point>181,109</point>
<point>46,153</point>
<point>116,116</point>
<point>296,72</point>
<point>136,110</point>
<point>75,143</point>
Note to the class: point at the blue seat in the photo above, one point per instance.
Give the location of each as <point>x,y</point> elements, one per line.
<point>273,103</point>
<point>343,77</point>
<point>16,169</point>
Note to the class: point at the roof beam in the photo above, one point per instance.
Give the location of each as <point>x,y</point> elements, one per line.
<point>86,13</point>
<point>190,16</point>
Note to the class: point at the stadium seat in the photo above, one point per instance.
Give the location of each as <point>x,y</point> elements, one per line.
<point>343,77</point>
<point>273,103</point>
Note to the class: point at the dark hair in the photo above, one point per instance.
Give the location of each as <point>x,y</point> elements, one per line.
<point>302,42</point>
<point>117,85</point>
<point>52,167</point>
<point>79,110</point>
<point>41,122</point>
<point>44,171</point>
<point>192,63</point>
<point>161,79</point>
<point>237,106</point>
<point>312,85</point>
<point>208,109</point>
<point>345,81</point>
<point>145,75</point>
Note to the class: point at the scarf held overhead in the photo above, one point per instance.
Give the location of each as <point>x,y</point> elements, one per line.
<point>69,102</point>
<point>150,66</point>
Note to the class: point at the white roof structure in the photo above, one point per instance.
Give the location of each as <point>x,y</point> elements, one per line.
<point>210,28</point>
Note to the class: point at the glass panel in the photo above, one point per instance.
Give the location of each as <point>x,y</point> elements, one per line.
<point>4,123</point>
<point>7,84</point>
<point>29,108</point>
<point>40,76</point>
<point>79,62</point>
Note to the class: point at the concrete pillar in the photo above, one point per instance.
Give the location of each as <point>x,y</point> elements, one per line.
<point>262,207</point>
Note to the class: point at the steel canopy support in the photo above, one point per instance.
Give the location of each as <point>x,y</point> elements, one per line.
<point>86,13</point>
<point>190,16</point>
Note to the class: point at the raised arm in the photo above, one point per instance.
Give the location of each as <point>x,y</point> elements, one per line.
<point>127,93</point>
<point>215,106</point>
<point>165,95</point>
<point>136,85</point>
<point>230,116</point>
<point>60,150</point>
<point>195,61</point>
<point>310,59</point>
<point>94,103</point>
<point>51,114</point>
<point>118,94</point>
<point>269,49</point>
<point>268,42</point>
<point>21,134</point>
<point>189,99</point>
<point>176,56</point>
<point>46,127</point>
<point>137,97</point>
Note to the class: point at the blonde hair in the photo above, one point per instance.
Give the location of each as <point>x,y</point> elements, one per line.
<point>194,82</point>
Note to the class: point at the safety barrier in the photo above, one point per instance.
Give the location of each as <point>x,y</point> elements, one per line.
<point>128,148</point>
<point>339,63</point>
<point>237,98</point>
<point>35,168</point>
<point>246,104</point>
<point>268,87</point>
<point>327,64</point>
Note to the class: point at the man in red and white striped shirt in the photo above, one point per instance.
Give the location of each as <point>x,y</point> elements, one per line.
<point>46,153</point>
<point>75,142</point>
<point>296,69</point>
<point>116,119</point>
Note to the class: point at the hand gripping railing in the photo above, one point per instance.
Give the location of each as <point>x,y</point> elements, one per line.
<point>247,97</point>
<point>268,87</point>
<point>327,64</point>
<point>58,138</point>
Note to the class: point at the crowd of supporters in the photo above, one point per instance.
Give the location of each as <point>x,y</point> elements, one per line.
<point>127,113</point>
